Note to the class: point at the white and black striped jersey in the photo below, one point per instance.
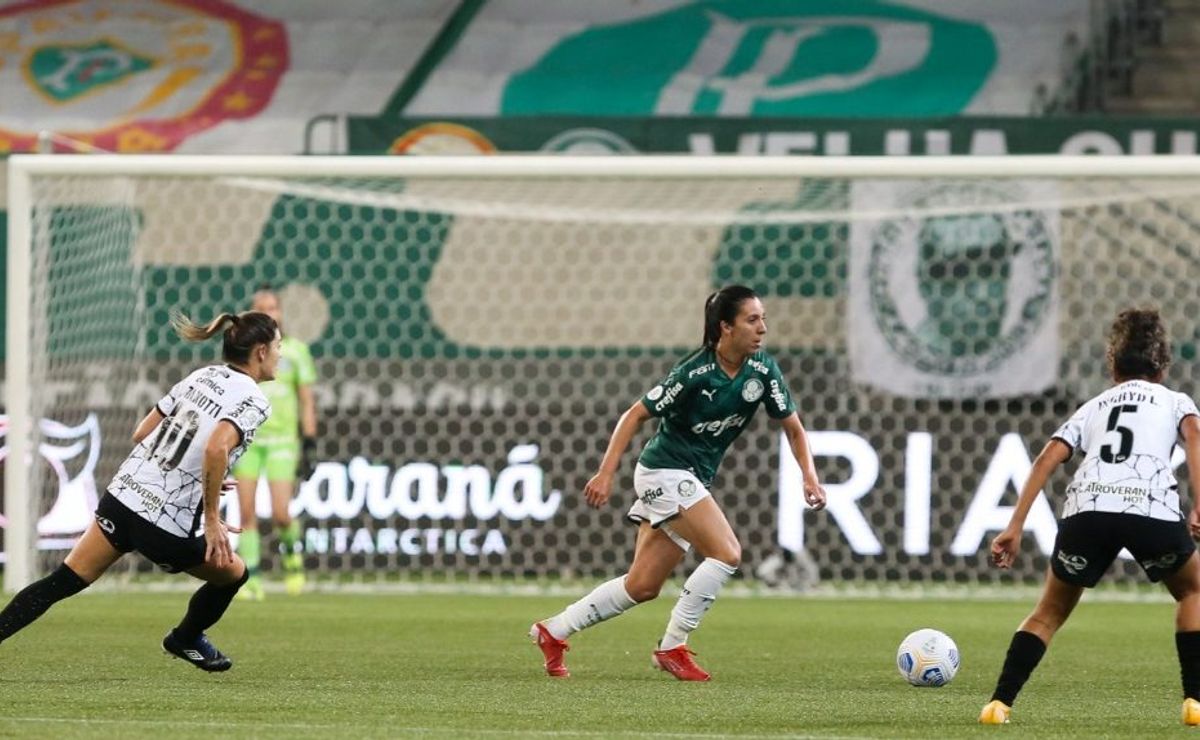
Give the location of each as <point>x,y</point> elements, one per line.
<point>1127,435</point>
<point>161,480</point>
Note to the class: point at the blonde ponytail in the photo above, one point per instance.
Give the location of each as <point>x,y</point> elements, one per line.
<point>242,332</point>
<point>194,332</point>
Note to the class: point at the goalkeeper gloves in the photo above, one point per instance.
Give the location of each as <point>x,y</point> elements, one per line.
<point>308,459</point>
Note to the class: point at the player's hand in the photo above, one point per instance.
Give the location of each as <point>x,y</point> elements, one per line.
<point>1005,546</point>
<point>217,549</point>
<point>308,459</point>
<point>814,495</point>
<point>598,490</point>
<point>1193,522</point>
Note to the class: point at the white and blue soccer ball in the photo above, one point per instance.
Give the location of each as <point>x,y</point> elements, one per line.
<point>927,658</point>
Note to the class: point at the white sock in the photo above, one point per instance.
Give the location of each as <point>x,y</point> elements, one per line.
<point>604,602</point>
<point>699,592</point>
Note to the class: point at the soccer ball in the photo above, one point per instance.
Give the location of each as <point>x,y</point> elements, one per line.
<point>927,658</point>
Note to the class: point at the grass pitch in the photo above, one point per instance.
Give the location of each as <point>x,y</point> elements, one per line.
<point>454,666</point>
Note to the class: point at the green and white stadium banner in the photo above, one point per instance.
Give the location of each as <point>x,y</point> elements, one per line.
<point>952,288</point>
<point>764,58</point>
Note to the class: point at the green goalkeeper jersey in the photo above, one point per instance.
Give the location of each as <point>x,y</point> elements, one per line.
<point>295,369</point>
<point>703,410</point>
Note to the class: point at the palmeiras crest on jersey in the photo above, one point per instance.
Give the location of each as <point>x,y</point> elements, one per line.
<point>148,73</point>
<point>957,285</point>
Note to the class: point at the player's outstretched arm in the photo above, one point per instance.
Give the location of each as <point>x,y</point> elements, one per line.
<point>793,429</point>
<point>1189,429</point>
<point>1007,543</point>
<point>599,489</point>
<point>223,439</point>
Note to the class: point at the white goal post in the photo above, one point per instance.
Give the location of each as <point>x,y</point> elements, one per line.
<point>480,322</point>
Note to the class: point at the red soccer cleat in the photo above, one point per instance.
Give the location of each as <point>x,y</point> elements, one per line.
<point>553,648</point>
<point>678,662</point>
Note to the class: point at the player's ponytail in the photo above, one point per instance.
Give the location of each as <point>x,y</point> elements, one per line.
<point>242,332</point>
<point>723,306</point>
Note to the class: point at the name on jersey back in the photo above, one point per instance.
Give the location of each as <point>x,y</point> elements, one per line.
<point>1127,396</point>
<point>203,402</point>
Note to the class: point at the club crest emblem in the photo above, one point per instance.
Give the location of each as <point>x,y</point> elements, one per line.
<point>149,74</point>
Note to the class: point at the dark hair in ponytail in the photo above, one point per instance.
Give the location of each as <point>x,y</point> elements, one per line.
<point>723,306</point>
<point>242,332</point>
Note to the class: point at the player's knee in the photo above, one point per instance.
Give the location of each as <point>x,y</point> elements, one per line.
<point>1184,584</point>
<point>234,576</point>
<point>729,553</point>
<point>1189,594</point>
<point>642,592</point>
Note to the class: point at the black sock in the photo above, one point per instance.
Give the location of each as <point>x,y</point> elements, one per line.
<point>1187,644</point>
<point>33,600</point>
<point>207,605</point>
<point>1024,653</point>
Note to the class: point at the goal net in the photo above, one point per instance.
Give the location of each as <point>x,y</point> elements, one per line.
<point>479,325</point>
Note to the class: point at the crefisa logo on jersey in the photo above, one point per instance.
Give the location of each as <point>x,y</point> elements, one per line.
<point>958,291</point>
<point>148,74</point>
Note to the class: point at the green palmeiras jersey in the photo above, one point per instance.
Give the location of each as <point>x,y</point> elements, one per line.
<point>703,410</point>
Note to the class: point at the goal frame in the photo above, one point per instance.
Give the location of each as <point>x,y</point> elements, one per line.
<point>20,539</point>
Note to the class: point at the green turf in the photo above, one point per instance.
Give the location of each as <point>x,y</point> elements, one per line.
<point>325,665</point>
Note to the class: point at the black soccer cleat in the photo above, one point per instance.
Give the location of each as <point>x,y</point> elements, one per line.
<point>200,653</point>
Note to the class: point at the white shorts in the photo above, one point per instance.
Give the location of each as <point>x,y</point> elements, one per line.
<point>661,495</point>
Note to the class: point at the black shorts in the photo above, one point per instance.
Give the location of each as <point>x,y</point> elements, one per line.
<point>1089,542</point>
<point>129,532</point>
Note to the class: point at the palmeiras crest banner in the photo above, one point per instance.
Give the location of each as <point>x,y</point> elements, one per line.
<point>954,288</point>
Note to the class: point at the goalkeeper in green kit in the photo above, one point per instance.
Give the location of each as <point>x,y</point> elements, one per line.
<point>283,451</point>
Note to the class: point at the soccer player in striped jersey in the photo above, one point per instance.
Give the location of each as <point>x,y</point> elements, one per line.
<point>703,404</point>
<point>284,451</point>
<point>169,488</point>
<point>1123,495</point>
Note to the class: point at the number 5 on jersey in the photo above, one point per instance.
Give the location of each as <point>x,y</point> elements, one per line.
<point>1126,446</point>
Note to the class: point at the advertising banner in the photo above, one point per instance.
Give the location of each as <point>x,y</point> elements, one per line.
<point>773,136</point>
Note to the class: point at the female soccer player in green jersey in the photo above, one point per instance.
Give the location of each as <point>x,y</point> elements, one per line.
<point>704,403</point>
<point>283,451</point>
